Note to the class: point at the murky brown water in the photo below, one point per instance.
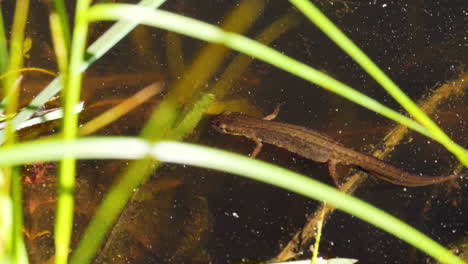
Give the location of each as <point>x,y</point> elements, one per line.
<point>190,215</point>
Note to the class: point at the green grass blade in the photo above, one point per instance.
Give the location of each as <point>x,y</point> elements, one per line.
<point>3,45</point>
<point>94,52</point>
<point>61,47</point>
<point>10,174</point>
<point>134,148</point>
<point>192,118</point>
<point>63,22</point>
<point>15,62</point>
<point>70,97</point>
<point>205,157</point>
<point>6,222</point>
<point>83,148</point>
<point>159,126</point>
<point>117,197</point>
<point>20,255</point>
<point>207,32</point>
<point>335,34</point>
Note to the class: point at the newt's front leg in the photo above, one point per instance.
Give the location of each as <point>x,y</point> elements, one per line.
<point>257,149</point>
<point>259,143</point>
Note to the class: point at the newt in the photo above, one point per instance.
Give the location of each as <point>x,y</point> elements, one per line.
<point>317,147</point>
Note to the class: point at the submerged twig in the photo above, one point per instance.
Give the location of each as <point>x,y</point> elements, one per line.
<point>304,236</point>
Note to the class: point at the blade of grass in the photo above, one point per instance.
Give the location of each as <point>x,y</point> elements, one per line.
<point>15,62</point>
<point>53,114</point>
<point>334,33</point>
<point>11,174</point>
<point>183,153</point>
<point>20,254</point>
<point>12,92</point>
<point>60,46</point>
<point>94,52</point>
<point>70,97</point>
<point>174,55</point>
<point>85,148</point>
<point>6,224</point>
<point>62,23</point>
<point>3,45</point>
<point>191,119</point>
<point>318,238</point>
<point>207,32</point>
<point>12,179</point>
<point>159,126</point>
<point>143,169</point>
<point>154,130</point>
<point>114,201</point>
<point>205,157</point>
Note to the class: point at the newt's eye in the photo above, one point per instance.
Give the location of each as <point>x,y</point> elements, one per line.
<point>218,126</point>
<point>222,128</point>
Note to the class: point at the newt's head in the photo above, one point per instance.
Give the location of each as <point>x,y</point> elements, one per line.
<point>229,122</point>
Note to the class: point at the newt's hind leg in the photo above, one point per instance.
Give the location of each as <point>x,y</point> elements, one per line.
<point>333,173</point>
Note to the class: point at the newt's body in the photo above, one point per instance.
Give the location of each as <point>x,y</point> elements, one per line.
<point>317,147</point>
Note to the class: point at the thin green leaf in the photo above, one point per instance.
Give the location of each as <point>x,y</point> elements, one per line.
<point>85,148</point>
<point>207,32</point>
<point>159,125</point>
<point>67,168</point>
<point>334,33</point>
<point>3,45</point>
<point>192,118</point>
<point>94,52</point>
<point>10,175</point>
<point>182,153</point>
<point>62,23</point>
<point>205,157</point>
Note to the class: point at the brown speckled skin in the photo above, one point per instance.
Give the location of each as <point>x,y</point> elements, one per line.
<point>317,147</point>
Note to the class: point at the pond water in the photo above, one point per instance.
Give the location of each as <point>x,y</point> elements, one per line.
<point>190,215</point>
